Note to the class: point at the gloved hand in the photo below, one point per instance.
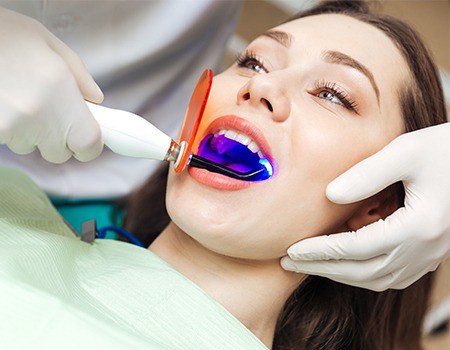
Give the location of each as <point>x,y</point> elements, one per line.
<point>396,252</point>
<point>42,92</point>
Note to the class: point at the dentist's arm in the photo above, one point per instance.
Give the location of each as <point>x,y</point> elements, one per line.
<point>42,92</point>
<point>396,252</point>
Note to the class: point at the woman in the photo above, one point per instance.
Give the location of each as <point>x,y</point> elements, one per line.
<point>325,97</point>
<point>314,96</point>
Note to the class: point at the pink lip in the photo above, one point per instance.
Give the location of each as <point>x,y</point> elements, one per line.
<point>239,124</point>
<point>218,181</point>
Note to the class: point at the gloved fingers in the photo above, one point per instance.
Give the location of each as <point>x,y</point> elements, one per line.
<point>357,245</point>
<point>346,245</point>
<point>86,84</point>
<point>6,133</point>
<point>365,178</point>
<point>20,140</point>
<point>356,276</point>
<point>22,145</point>
<point>85,138</point>
<point>74,130</point>
<point>412,277</point>
<point>361,274</point>
<point>377,285</point>
<point>378,238</point>
<point>406,282</point>
<point>54,152</point>
<point>340,270</point>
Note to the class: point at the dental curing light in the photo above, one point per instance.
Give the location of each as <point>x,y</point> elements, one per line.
<point>130,135</point>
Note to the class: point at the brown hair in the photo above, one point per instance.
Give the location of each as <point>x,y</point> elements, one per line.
<point>323,314</point>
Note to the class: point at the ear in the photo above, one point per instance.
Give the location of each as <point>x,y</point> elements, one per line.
<point>377,207</point>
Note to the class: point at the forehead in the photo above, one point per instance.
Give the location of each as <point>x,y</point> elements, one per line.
<point>313,35</point>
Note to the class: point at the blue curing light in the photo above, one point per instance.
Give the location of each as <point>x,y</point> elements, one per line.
<point>267,165</point>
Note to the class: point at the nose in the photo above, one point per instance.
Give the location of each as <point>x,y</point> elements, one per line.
<point>264,92</point>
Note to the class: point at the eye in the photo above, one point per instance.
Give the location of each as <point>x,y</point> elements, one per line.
<point>249,60</point>
<point>331,92</point>
<point>326,95</point>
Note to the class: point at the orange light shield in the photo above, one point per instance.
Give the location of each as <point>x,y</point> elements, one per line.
<point>193,116</point>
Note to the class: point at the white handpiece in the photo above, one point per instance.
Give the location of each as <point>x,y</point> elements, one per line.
<point>128,134</point>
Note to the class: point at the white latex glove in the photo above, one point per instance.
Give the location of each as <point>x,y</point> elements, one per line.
<point>395,252</point>
<point>42,92</point>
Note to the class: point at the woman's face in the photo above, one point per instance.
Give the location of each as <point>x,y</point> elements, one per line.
<point>317,95</point>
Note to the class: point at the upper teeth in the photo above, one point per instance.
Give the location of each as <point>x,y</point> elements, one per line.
<point>242,139</point>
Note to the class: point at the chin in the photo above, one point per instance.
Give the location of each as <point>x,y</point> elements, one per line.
<point>223,235</point>
<point>209,216</point>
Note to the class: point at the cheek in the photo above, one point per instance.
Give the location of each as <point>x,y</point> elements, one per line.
<point>320,153</point>
<point>330,148</point>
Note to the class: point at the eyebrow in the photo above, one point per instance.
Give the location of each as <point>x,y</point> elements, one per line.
<point>282,38</point>
<point>341,58</point>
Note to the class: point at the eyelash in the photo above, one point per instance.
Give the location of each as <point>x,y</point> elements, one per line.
<point>333,88</point>
<point>248,58</point>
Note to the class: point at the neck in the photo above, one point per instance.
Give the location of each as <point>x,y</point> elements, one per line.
<point>253,291</point>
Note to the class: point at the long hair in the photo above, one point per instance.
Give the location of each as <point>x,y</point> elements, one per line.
<point>322,314</point>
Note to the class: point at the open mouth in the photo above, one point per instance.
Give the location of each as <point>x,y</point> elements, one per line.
<point>235,151</point>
